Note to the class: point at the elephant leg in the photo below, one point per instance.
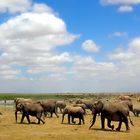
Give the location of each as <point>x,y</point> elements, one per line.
<point>23,116</point>
<point>56,114</point>
<point>126,123</point>
<point>46,113</point>
<point>68,119</point>
<point>79,121</point>
<point>102,121</point>
<point>63,118</point>
<point>16,115</point>
<point>82,118</point>
<point>27,116</point>
<point>120,124</point>
<point>51,114</point>
<point>39,119</point>
<point>109,124</point>
<point>73,120</point>
<point>61,110</point>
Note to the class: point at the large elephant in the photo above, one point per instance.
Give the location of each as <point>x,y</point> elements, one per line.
<point>113,111</point>
<point>19,101</point>
<point>49,106</point>
<point>32,109</point>
<point>74,112</point>
<point>61,105</point>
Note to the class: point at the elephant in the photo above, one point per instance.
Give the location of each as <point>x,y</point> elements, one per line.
<point>49,106</point>
<point>125,97</point>
<point>32,109</point>
<point>18,101</point>
<point>61,105</point>
<point>138,100</point>
<point>112,111</point>
<point>83,106</point>
<point>74,112</point>
<point>88,104</point>
<point>136,111</point>
<point>79,101</point>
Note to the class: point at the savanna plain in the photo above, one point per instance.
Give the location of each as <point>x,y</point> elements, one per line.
<point>54,130</point>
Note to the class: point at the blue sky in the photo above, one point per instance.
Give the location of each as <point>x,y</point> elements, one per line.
<point>69,46</point>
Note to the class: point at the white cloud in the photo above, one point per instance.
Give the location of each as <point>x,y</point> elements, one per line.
<point>90,46</point>
<point>29,40</point>
<point>124,5</point>
<point>6,72</point>
<point>122,2</point>
<point>29,25</point>
<point>13,6</point>
<point>128,60</point>
<point>39,8</point>
<point>125,8</point>
<point>31,62</point>
<point>134,45</point>
<point>118,34</point>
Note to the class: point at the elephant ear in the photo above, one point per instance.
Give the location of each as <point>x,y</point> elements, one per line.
<point>21,106</point>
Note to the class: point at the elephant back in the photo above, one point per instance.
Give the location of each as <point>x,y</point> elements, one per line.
<point>77,110</point>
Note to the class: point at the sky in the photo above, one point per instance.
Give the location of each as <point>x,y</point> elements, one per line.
<point>64,46</point>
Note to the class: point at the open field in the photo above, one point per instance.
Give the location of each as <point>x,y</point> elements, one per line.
<point>54,130</point>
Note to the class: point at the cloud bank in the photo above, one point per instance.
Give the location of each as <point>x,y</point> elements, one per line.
<point>31,61</point>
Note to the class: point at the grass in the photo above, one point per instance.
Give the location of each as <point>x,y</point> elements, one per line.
<point>56,96</point>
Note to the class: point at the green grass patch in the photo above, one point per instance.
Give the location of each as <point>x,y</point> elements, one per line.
<point>12,96</point>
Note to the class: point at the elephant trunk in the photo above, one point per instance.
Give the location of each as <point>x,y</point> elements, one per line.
<point>130,120</point>
<point>94,119</point>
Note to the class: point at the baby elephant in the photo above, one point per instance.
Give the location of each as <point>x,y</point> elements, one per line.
<point>74,112</point>
<point>136,111</point>
<point>33,109</point>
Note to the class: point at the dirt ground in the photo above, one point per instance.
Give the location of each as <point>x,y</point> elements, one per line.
<point>54,130</point>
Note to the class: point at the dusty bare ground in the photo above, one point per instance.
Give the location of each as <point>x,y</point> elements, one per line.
<point>54,130</point>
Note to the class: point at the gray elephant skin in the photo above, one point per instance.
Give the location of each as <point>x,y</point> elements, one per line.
<point>49,106</point>
<point>61,105</point>
<point>19,101</point>
<point>136,111</point>
<point>73,112</point>
<point>112,111</point>
<point>32,109</point>
<point>83,106</point>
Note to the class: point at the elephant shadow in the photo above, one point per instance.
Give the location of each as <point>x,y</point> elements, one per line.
<point>108,130</point>
<point>70,124</point>
<point>26,123</point>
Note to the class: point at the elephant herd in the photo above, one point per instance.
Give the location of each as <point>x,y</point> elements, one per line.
<point>111,110</point>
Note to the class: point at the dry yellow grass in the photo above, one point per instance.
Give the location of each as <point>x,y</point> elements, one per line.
<point>54,130</point>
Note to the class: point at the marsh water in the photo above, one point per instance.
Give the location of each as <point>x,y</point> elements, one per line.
<point>6,103</point>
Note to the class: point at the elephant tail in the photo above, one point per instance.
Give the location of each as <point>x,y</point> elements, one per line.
<point>130,120</point>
